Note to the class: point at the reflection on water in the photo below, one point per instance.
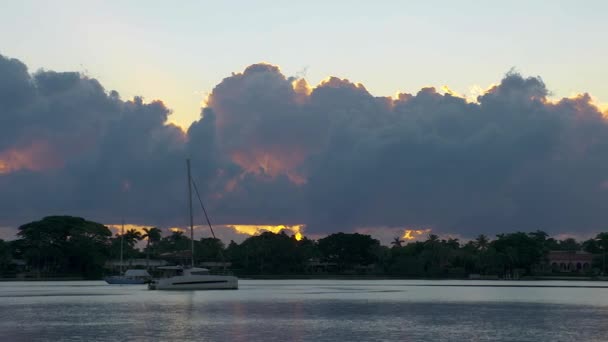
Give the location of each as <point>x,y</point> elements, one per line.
<point>307,310</point>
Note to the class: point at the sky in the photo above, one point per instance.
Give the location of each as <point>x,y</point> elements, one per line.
<point>453,117</point>
<point>177,53</point>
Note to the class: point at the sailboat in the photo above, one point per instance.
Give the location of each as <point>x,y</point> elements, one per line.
<point>192,278</point>
<point>132,276</point>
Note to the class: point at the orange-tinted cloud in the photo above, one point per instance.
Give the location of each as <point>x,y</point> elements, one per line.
<point>258,120</point>
<point>270,163</point>
<point>333,156</point>
<point>36,156</point>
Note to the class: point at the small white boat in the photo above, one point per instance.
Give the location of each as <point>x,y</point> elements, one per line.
<point>130,277</point>
<point>133,276</point>
<point>180,278</point>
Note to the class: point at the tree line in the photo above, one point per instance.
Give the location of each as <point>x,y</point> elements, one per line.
<point>73,246</point>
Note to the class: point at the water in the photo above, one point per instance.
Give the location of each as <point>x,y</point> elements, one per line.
<point>308,310</point>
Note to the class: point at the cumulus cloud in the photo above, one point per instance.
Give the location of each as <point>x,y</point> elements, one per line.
<point>272,150</point>
<point>68,146</point>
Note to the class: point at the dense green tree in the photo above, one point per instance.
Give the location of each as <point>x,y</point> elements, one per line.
<point>349,249</point>
<point>175,248</point>
<point>269,253</point>
<point>307,250</point>
<point>232,251</point>
<point>591,246</point>
<point>5,256</point>
<point>519,250</point>
<point>569,244</point>
<point>208,249</point>
<point>65,244</point>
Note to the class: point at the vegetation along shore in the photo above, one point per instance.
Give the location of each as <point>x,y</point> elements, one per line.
<point>68,248</point>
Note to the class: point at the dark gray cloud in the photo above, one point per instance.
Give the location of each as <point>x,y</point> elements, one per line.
<point>269,149</point>
<point>68,146</point>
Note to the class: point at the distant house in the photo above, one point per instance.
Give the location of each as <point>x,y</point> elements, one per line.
<point>569,261</point>
<point>178,257</point>
<point>317,266</point>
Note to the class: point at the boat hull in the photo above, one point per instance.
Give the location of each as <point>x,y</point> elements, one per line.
<point>118,280</point>
<point>196,282</point>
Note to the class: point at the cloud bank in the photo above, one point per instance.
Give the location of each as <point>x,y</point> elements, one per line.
<point>270,149</point>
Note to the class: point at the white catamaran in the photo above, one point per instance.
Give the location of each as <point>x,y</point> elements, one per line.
<point>192,278</point>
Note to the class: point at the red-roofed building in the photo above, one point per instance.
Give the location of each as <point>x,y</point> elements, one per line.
<point>570,261</point>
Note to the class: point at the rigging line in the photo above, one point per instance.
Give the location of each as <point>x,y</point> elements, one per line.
<point>207,218</point>
<point>202,206</point>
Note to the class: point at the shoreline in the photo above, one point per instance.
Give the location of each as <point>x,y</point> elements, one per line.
<point>338,277</point>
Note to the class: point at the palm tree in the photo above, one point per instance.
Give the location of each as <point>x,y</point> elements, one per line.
<point>453,243</point>
<point>397,242</point>
<point>152,235</point>
<point>131,237</point>
<point>482,242</point>
<point>176,236</point>
<point>432,239</point>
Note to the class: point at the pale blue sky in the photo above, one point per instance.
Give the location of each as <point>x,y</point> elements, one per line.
<point>178,51</point>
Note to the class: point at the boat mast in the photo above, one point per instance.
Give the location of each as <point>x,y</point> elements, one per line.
<point>190,208</point>
<point>122,238</point>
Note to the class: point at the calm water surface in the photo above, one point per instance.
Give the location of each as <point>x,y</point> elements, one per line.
<point>308,310</point>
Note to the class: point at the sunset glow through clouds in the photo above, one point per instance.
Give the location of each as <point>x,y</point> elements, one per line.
<point>37,156</point>
<point>451,92</point>
<point>336,82</point>
<point>258,229</point>
<point>414,234</point>
<point>252,138</point>
<point>116,228</point>
<point>270,164</point>
<point>302,90</point>
<point>284,151</point>
<point>221,230</point>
